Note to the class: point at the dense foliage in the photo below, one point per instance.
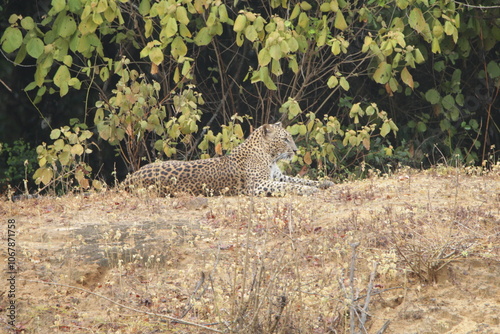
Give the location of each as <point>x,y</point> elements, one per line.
<point>374,81</point>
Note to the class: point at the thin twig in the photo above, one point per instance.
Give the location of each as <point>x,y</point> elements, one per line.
<point>190,305</point>
<point>362,321</point>
<point>352,267</point>
<point>5,85</point>
<point>180,321</point>
<point>475,6</point>
<point>384,327</point>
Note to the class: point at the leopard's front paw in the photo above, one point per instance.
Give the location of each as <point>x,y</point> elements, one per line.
<point>307,190</point>
<point>326,184</point>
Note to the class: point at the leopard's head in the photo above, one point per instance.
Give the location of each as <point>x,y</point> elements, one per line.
<point>279,142</point>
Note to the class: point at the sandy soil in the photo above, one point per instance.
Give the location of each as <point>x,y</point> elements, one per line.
<point>116,262</point>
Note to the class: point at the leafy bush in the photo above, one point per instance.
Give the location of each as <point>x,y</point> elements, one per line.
<point>16,163</point>
<point>432,66</point>
<point>135,114</point>
<point>64,160</point>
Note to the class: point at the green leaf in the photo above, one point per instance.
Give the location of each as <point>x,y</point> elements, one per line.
<point>474,124</point>
<point>156,55</point>
<point>448,102</point>
<point>182,16</point>
<point>186,69</point>
<point>97,18</point>
<point>305,5</point>
<point>292,64</point>
<point>74,6</point>
<point>303,20</point>
<point>64,89</point>
<point>62,76</point>
<point>55,134</point>
<point>266,79</point>
<point>35,47</point>
<point>77,149</point>
<point>421,127</point>
<point>294,110</point>
<point>439,66</point>
<point>203,37</point>
<point>68,60</point>
<point>356,110</point>
<point>325,7</point>
<point>320,138</point>
<point>58,5</point>
<point>43,175</point>
<point>340,22</point>
<point>407,78</point>
<point>332,82</point>
<point>264,57</point>
<point>275,52</point>
<point>437,29</point>
<point>251,33</point>
<point>436,48</point>
<point>417,22</point>
<point>184,31</point>
<point>383,73</point>
<point>295,12</point>
<point>14,18</point>
<point>293,45</point>
<point>12,39</point>
<point>40,75</point>
<point>67,26</point>
<point>20,55</point>
<point>336,47</point>
<point>321,39</point>
<point>144,52</point>
<point>240,23</point>
<point>27,23</point>
<point>178,48</point>
<point>386,128</point>
<point>302,129</point>
<point>419,58</point>
<point>75,82</point>
<point>493,69</point>
<point>59,145</point>
<point>104,74</point>
<point>445,125</point>
<point>344,83</point>
<point>177,75</point>
<point>454,114</point>
<point>144,7</point>
<point>449,29</point>
<point>393,125</point>
<point>370,110</point>
<point>402,4</point>
<point>171,27</point>
<point>223,15</point>
<point>87,26</point>
<point>432,96</point>
<point>30,86</point>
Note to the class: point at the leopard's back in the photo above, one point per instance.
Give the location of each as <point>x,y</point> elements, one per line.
<point>215,176</point>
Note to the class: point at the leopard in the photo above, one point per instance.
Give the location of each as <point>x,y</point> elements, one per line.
<point>249,169</point>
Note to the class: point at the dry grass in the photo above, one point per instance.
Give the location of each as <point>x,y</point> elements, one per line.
<point>415,252</point>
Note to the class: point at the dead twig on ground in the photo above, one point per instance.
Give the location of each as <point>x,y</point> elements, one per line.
<point>175,320</point>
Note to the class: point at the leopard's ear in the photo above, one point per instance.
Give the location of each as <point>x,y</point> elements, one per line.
<point>268,131</point>
<point>278,124</point>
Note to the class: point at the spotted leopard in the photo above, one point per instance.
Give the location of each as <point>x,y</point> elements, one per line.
<point>249,169</point>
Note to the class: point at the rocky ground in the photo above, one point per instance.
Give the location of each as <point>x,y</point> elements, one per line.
<point>414,252</point>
